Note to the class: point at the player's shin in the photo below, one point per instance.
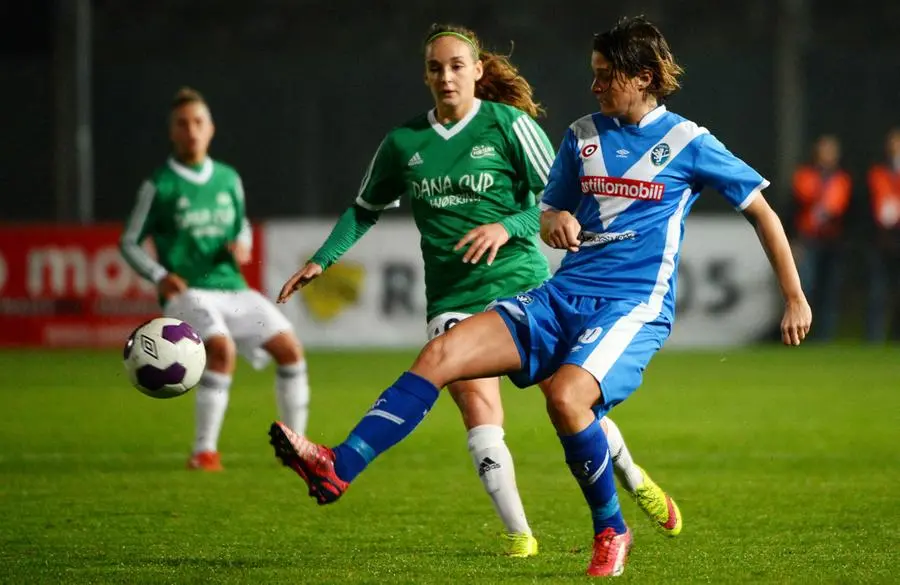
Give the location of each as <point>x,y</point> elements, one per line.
<point>494,465</point>
<point>629,474</point>
<point>588,458</point>
<point>394,415</point>
<point>292,395</point>
<point>212,401</point>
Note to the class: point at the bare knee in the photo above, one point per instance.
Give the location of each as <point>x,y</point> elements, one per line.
<point>435,361</point>
<point>284,348</point>
<point>478,402</point>
<point>220,354</point>
<point>570,395</point>
<point>562,400</point>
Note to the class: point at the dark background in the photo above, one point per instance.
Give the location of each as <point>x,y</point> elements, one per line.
<point>303,91</point>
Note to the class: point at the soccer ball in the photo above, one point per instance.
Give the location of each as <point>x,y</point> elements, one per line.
<point>164,357</point>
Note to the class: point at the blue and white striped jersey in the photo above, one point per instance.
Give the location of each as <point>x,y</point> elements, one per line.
<point>631,188</point>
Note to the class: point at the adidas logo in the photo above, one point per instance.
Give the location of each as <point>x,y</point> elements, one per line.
<point>415,160</point>
<point>486,465</point>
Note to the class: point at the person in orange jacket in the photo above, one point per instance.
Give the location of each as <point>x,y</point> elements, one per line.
<point>822,193</point>
<point>884,196</point>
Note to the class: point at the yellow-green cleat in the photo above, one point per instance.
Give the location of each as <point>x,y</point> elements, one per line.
<point>520,545</point>
<point>658,506</point>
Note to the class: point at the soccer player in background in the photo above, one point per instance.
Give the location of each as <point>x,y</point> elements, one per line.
<point>471,168</point>
<point>192,208</point>
<point>596,323</point>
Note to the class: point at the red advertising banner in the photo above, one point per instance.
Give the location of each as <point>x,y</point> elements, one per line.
<point>68,286</point>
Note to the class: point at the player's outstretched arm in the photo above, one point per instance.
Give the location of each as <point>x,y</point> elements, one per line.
<point>351,226</point>
<point>797,315</point>
<point>299,279</point>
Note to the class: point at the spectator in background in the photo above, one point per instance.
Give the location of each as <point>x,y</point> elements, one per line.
<point>884,193</point>
<point>821,199</point>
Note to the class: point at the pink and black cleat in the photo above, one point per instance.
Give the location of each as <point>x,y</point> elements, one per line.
<point>313,463</point>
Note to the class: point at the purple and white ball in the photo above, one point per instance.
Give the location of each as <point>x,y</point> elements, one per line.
<point>164,357</point>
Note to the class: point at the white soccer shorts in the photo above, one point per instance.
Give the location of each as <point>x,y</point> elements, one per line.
<point>246,316</point>
<point>443,322</point>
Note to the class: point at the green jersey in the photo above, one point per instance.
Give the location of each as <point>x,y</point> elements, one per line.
<point>191,215</point>
<point>487,168</point>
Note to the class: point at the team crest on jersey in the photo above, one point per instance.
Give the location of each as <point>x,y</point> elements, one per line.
<point>223,198</point>
<point>482,150</point>
<point>660,154</point>
<point>588,150</point>
<point>183,202</point>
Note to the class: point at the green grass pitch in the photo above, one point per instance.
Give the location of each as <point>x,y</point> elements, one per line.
<point>784,462</point>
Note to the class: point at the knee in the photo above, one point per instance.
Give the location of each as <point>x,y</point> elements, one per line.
<point>220,354</point>
<point>285,349</point>
<point>570,394</point>
<point>434,354</point>
<point>562,401</point>
<point>437,363</point>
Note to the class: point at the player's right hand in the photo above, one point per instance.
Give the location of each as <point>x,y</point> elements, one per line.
<point>300,279</point>
<point>171,286</point>
<point>560,229</point>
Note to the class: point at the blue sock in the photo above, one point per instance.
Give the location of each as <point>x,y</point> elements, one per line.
<point>587,454</point>
<point>394,415</point>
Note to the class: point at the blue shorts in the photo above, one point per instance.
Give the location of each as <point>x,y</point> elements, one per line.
<point>612,339</point>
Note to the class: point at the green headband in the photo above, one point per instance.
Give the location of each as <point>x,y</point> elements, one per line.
<point>450,33</point>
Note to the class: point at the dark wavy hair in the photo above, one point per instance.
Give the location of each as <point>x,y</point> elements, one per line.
<point>635,45</point>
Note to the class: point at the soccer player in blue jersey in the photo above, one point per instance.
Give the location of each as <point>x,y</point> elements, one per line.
<point>618,193</point>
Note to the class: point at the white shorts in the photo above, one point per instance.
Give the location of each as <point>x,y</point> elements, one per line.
<point>443,322</point>
<point>246,316</point>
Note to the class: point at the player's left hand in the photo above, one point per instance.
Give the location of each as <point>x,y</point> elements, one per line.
<point>486,238</point>
<point>796,322</point>
<point>241,253</point>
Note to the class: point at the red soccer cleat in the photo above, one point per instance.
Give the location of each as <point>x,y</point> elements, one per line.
<point>610,553</point>
<point>205,461</point>
<point>313,463</point>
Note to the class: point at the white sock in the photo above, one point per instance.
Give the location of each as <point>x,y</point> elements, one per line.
<point>212,401</point>
<point>628,473</point>
<point>292,395</point>
<point>494,465</point>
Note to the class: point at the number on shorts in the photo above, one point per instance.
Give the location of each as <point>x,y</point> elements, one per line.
<point>590,335</point>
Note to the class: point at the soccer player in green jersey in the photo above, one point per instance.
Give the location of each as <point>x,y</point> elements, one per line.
<point>192,208</point>
<point>472,168</point>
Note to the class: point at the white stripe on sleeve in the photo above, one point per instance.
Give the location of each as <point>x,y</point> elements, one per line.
<point>531,150</point>
<point>129,245</point>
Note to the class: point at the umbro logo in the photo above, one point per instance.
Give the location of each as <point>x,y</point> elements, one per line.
<point>415,160</point>
<point>622,153</point>
<point>486,465</point>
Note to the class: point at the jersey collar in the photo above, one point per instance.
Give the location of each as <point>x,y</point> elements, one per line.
<point>188,174</point>
<point>448,133</point>
<point>650,117</point>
